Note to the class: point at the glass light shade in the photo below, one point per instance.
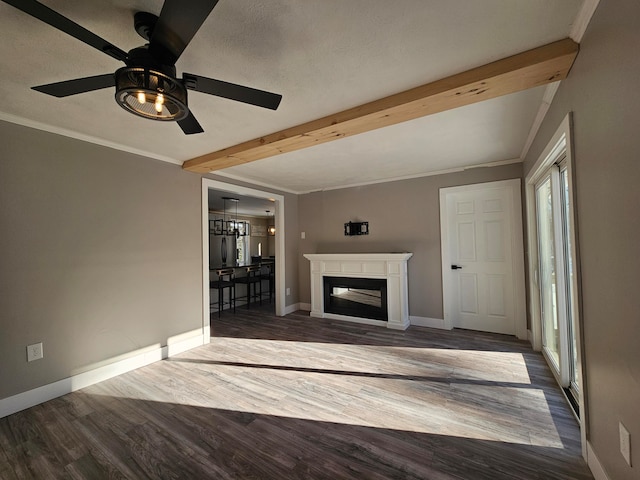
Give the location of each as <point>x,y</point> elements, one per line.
<point>151,94</point>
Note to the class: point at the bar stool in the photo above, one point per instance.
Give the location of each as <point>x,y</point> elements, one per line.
<point>225,279</point>
<point>267,273</point>
<point>251,278</point>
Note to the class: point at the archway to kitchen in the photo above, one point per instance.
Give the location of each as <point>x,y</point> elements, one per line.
<point>269,198</point>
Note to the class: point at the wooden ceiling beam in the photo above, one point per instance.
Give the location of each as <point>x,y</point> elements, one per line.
<point>529,69</point>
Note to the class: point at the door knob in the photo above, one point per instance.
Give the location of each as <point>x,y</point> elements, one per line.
<point>455,267</point>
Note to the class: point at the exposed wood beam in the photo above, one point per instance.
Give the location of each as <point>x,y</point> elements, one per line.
<point>529,69</point>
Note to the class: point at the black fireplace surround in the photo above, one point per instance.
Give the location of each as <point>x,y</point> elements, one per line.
<point>356,297</point>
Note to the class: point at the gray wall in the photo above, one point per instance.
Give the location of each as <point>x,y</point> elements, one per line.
<point>100,255</point>
<point>291,247</point>
<point>403,216</point>
<point>602,92</point>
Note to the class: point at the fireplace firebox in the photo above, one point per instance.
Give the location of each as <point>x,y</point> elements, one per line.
<point>356,297</point>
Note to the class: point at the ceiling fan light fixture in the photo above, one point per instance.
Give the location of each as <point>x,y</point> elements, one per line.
<point>148,86</point>
<point>150,93</point>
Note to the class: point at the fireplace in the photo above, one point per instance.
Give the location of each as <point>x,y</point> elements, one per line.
<point>356,297</point>
<point>348,275</point>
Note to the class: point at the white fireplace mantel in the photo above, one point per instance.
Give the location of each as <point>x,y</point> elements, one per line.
<point>389,266</point>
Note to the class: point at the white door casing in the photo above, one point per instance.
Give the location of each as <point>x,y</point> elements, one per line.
<point>481,232</point>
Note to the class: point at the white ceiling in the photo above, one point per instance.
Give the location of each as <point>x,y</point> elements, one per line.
<point>323,57</point>
<point>246,205</point>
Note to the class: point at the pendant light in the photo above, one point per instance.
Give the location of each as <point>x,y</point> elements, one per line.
<point>234,230</point>
<point>232,227</point>
<point>271,229</point>
<point>220,225</point>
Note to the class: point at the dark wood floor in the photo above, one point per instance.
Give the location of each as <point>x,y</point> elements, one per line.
<point>296,397</point>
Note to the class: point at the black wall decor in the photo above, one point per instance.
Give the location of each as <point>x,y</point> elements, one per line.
<point>356,228</point>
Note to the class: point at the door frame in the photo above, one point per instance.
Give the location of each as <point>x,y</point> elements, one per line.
<point>517,250</point>
<point>561,140</point>
<point>280,281</point>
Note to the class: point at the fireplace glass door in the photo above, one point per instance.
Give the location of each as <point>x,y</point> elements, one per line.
<point>356,297</point>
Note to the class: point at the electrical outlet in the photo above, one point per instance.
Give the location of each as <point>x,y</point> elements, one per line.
<point>625,443</point>
<point>303,235</point>
<point>288,291</point>
<point>34,352</point>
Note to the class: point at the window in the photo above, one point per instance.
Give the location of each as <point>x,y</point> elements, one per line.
<point>552,263</point>
<point>242,244</point>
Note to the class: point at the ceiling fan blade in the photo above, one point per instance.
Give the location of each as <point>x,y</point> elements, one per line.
<point>79,85</point>
<point>53,18</point>
<point>190,125</point>
<point>176,26</point>
<point>232,91</point>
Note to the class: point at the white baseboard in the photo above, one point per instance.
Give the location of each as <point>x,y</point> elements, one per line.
<point>297,306</point>
<point>594,464</point>
<point>187,341</point>
<point>428,322</point>
<point>290,308</point>
<point>178,344</point>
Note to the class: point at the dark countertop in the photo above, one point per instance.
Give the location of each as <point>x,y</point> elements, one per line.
<point>263,262</point>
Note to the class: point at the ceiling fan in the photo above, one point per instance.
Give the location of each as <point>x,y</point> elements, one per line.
<point>147,85</point>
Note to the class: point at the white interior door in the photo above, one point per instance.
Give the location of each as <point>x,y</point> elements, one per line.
<point>480,254</point>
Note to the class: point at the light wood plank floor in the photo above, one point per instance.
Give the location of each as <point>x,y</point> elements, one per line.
<point>296,397</point>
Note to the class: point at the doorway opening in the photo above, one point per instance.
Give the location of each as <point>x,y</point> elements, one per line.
<point>277,205</point>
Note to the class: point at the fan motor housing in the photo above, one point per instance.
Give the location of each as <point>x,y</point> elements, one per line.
<point>151,94</point>
<point>149,90</point>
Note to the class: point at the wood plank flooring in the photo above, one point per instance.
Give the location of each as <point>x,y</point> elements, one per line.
<point>299,397</point>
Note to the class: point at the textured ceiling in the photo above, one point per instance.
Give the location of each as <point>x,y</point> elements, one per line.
<point>246,205</point>
<point>323,57</point>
